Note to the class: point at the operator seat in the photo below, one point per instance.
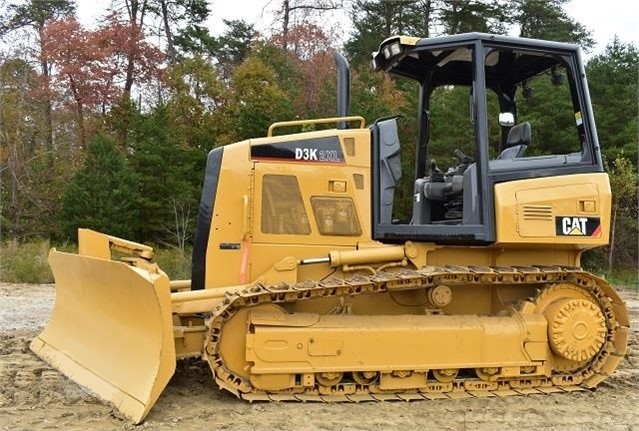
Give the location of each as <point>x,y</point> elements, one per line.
<point>517,141</point>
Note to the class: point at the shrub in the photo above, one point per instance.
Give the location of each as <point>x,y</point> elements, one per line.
<point>176,263</point>
<point>25,263</point>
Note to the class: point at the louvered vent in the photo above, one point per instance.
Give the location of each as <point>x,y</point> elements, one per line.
<point>537,212</point>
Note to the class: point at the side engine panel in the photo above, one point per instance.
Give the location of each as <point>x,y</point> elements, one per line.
<point>568,211</point>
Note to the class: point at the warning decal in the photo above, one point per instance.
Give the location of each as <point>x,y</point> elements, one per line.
<point>578,226</point>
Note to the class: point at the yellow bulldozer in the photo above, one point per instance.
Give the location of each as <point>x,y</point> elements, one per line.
<point>307,284</point>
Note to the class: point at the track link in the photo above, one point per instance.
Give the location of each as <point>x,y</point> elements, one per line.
<point>588,375</point>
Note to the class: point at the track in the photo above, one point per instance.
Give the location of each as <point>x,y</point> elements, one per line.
<point>193,402</point>
<point>551,283</point>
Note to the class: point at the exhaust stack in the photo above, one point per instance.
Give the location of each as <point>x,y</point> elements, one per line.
<point>343,88</point>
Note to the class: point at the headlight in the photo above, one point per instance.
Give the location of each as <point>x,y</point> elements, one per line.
<point>386,51</point>
<point>395,49</point>
<point>392,50</point>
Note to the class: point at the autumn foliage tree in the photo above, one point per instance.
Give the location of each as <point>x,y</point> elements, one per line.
<point>310,65</point>
<point>292,13</point>
<point>91,64</point>
<point>36,14</point>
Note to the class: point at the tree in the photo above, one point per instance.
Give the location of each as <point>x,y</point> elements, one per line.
<point>550,112</point>
<point>90,64</point>
<point>307,71</point>
<point>32,177</point>
<point>182,24</point>
<point>135,11</point>
<point>304,9</point>
<point>178,22</point>
<point>19,148</point>
<point>255,102</point>
<point>234,45</point>
<point>169,173</point>
<point>194,93</point>
<point>284,66</point>
<point>612,78</point>
<point>103,194</point>
<point>485,16</point>
<point>374,21</point>
<point>547,20</point>
<point>35,14</point>
<point>623,224</point>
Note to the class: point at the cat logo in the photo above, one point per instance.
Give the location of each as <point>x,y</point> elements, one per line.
<point>573,225</point>
<point>578,226</point>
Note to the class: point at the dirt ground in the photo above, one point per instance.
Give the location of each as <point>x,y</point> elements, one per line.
<point>33,396</point>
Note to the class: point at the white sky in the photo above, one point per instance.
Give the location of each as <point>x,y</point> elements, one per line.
<point>607,18</point>
<point>604,18</point>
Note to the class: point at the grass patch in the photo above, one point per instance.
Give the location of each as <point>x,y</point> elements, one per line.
<point>176,263</point>
<point>27,262</point>
<point>624,277</point>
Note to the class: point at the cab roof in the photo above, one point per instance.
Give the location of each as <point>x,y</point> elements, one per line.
<point>447,60</point>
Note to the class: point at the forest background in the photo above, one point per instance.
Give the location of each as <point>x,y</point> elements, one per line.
<point>107,125</point>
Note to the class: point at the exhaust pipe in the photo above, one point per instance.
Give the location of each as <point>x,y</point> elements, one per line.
<point>343,88</point>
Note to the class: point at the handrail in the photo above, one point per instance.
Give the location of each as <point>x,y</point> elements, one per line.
<point>362,122</point>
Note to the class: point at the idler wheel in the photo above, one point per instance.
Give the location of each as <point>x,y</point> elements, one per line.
<point>576,328</point>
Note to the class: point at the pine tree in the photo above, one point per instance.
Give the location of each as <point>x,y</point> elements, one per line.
<point>234,45</point>
<point>612,78</point>
<point>103,194</point>
<point>171,175</point>
<point>374,21</point>
<point>547,20</point>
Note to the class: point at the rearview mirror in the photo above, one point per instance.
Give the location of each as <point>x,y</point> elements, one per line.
<point>506,119</point>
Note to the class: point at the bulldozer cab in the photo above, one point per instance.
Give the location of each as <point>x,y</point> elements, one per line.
<point>483,119</point>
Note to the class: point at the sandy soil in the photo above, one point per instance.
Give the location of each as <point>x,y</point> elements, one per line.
<point>33,396</point>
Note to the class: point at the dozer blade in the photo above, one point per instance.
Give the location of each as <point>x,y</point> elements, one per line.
<point>110,331</point>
